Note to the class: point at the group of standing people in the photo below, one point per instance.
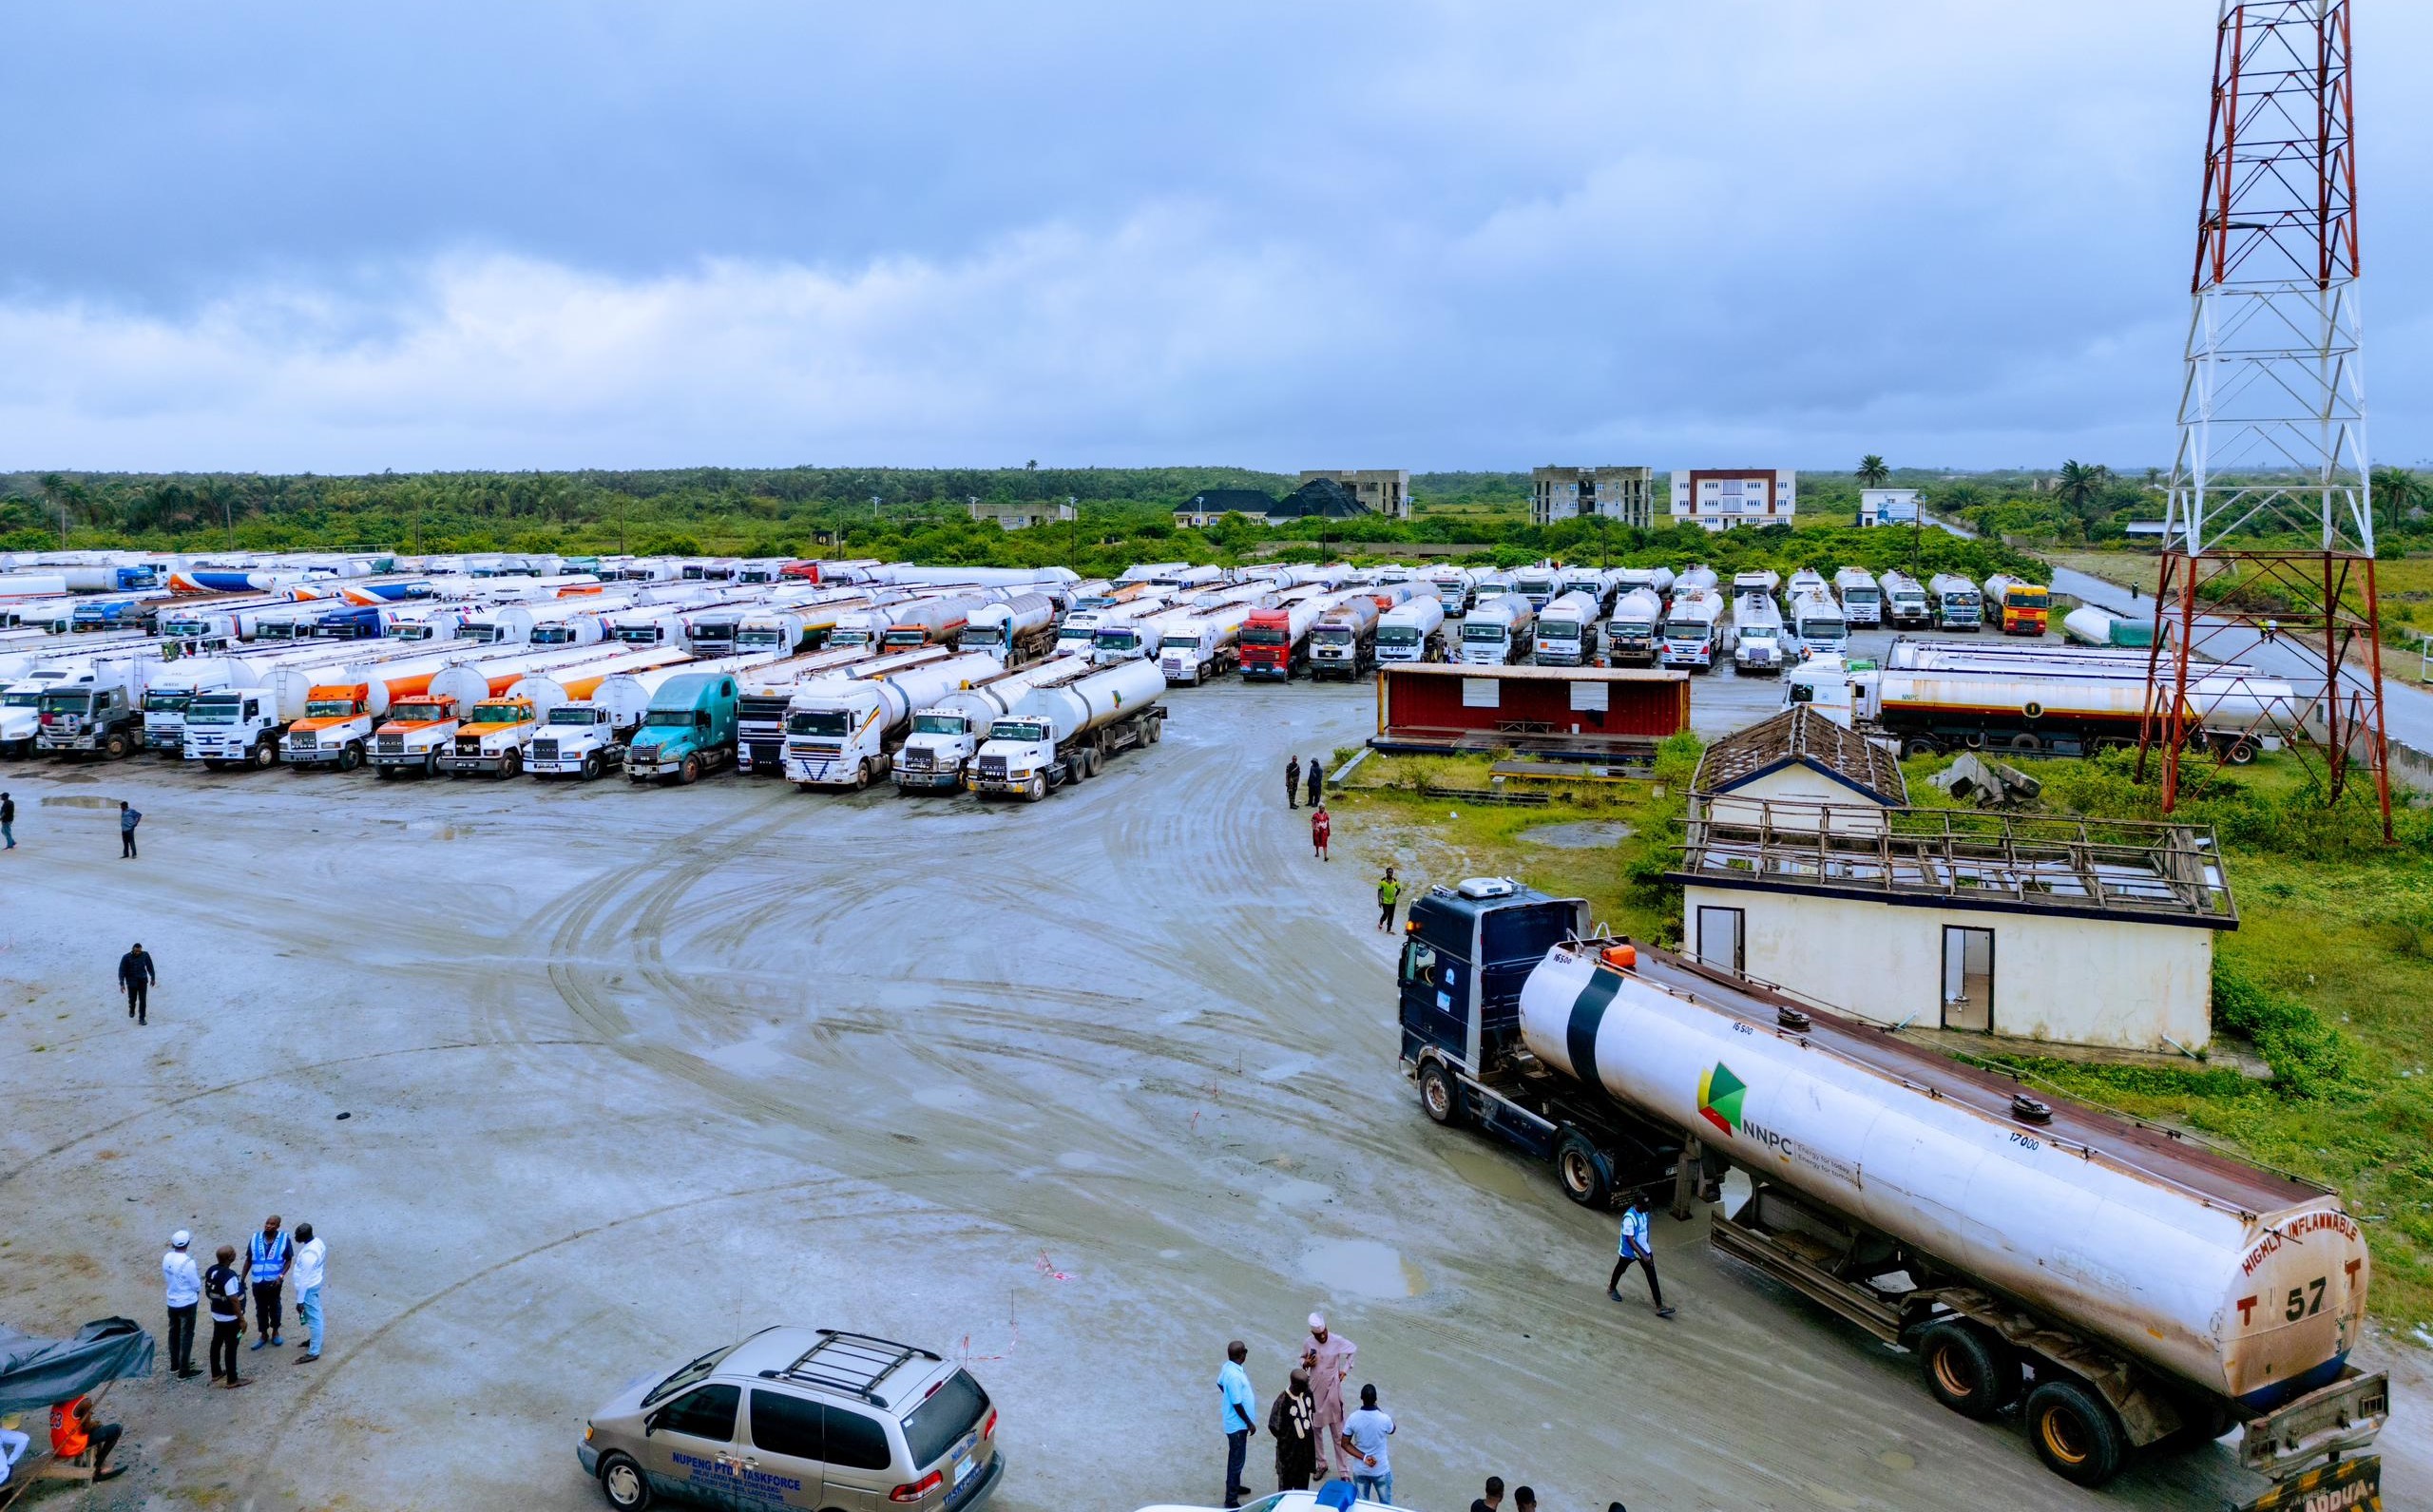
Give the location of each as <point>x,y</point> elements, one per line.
<point>1315,1439</point>
<point>273,1260</point>
<point>1321,823</point>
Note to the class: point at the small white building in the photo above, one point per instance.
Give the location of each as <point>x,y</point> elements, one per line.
<point>1021,515</point>
<point>1888,506</point>
<point>1796,871</point>
<point>1724,498</point>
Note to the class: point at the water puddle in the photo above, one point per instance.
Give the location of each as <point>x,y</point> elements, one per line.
<point>1490,1170</point>
<point>1362,1268</point>
<point>1895,1460</point>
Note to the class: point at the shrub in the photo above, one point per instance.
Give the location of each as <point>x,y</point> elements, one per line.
<point>2309,1057</point>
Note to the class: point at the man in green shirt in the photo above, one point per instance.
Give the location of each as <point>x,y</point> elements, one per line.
<point>1389,892</point>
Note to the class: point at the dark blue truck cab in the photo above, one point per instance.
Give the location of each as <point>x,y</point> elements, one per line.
<point>1466,953</point>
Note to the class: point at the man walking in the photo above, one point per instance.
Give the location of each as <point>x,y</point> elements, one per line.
<point>1389,893</point>
<point>225,1287</point>
<point>1317,781</point>
<point>1292,1423</point>
<point>1293,782</point>
<point>128,819</point>
<point>1321,830</point>
<point>311,1262</point>
<point>183,1286</point>
<point>1328,1356</point>
<point>135,979</point>
<point>1634,1250</point>
<point>267,1257</point>
<point>1493,1501</point>
<point>1233,1386</point>
<point>7,822</point>
<point>1363,1446</point>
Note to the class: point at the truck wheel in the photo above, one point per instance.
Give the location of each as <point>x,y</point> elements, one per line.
<point>349,757</point>
<point>1587,1177</point>
<point>1438,1096</point>
<point>1967,1369</point>
<point>622,1483</point>
<point>2026,744</point>
<point>430,763</point>
<point>592,767</point>
<point>115,747</point>
<point>1038,788</point>
<point>689,772</point>
<point>2239,751</point>
<point>2076,1434</point>
<point>1156,731</point>
<point>1919,746</point>
<point>264,753</point>
<point>509,763</point>
<point>861,775</point>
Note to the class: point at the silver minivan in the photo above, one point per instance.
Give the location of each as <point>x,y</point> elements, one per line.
<point>795,1417</point>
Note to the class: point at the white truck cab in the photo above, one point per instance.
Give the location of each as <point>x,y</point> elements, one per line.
<point>581,739</point>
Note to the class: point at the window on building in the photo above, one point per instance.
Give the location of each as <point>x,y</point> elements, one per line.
<point>1721,935</point>
<point>1968,979</point>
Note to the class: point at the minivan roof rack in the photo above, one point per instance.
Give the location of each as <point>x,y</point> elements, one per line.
<point>853,1364</point>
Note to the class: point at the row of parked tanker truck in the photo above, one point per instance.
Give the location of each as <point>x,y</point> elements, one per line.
<point>997,680</point>
<point>1557,616</point>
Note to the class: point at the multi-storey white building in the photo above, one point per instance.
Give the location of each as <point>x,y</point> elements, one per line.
<point>1721,498</point>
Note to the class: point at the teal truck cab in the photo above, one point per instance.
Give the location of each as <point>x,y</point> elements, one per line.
<point>689,730</point>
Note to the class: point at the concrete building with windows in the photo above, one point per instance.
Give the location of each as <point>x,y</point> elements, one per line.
<point>1385,490</point>
<point>1624,495</point>
<point>1803,867</point>
<point>1725,498</point>
<point>1887,505</point>
<point>1020,514</point>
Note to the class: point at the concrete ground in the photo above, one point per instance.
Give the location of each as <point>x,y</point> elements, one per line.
<point>1077,1091</point>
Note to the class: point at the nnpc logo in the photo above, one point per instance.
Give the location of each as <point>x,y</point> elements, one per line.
<point>1720,1095</point>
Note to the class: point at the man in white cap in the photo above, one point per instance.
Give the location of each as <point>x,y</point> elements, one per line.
<point>184,1285</point>
<point>1327,1357</point>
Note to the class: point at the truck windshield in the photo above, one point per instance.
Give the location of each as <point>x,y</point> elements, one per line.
<point>1558,629</point>
<point>21,700</point>
<point>1481,632</point>
<point>937,724</point>
<point>212,711</point>
<point>1756,632</point>
<point>573,714</point>
<point>833,724</point>
<point>165,701</point>
<point>768,637</point>
<point>419,713</point>
<point>329,708</point>
<point>1018,730</point>
<point>67,702</point>
<point>1332,635</point>
<point>1179,643</point>
<point>845,638</point>
<point>663,717</point>
<point>1116,640</point>
<point>553,634</point>
<point>2028,598</point>
<point>1263,635</point>
<point>1859,596</point>
<point>501,713</point>
<point>1398,634</point>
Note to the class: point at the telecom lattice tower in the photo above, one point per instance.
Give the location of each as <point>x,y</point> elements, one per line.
<point>2269,540</point>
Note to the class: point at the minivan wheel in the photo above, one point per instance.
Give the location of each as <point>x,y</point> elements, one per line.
<point>622,1483</point>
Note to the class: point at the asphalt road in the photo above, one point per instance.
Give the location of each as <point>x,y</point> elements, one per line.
<point>1076,1091</point>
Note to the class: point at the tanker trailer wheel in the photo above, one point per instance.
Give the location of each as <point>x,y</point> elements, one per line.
<point>2076,1434</point>
<point>1156,731</point>
<point>1586,1176</point>
<point>1968,1368</point>
<point>1438,1096</point>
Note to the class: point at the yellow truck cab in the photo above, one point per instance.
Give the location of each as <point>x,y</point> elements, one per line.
<point>492,738</point>
<point>335,730</point>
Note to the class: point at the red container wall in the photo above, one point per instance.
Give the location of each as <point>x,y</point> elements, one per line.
<point>1432,701</point>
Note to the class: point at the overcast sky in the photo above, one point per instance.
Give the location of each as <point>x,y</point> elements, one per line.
<point>1297,233</point>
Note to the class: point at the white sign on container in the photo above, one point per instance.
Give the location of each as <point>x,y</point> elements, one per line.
<point>1481,693</point>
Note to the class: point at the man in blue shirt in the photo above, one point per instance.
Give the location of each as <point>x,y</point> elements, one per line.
<point>1234,1384</point>
<point>1634,1250</point>
<point>266,1261</point>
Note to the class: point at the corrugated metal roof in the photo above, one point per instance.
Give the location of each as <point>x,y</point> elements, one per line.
<point>1800,734</point>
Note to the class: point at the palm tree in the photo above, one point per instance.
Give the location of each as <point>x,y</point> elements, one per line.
<point>2398,491</point>
<point>2079,483</point>
<point>1872,472</point>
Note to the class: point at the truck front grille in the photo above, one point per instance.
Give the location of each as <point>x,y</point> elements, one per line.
<point>545,750</point>
<point>392,745</point>
<point>916,761</point>
<point>469,745</point>
<point>992,768</point>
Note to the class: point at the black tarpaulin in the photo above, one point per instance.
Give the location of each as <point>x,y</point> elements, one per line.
<point>36,1373</point>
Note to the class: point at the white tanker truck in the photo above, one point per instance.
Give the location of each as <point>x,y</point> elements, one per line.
<point>1066,733</point>
<point>948,734</point>
<point>2133,1286</point>
<point>842,730</point>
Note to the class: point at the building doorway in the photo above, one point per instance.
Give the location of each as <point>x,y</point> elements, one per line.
<point>1721,939</point>
<point>1968,979</point>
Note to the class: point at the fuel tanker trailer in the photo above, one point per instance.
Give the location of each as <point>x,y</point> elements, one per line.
<point>2133,1286</point>
<point>1063,733</point>
<point>842,732</point>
